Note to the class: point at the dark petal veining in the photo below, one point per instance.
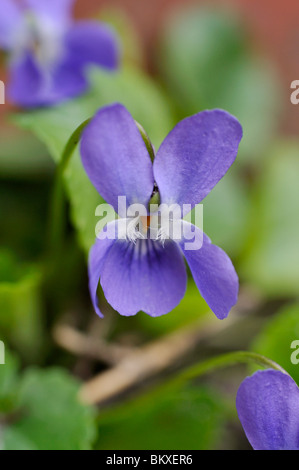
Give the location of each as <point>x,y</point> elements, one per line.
<point>143,276</point>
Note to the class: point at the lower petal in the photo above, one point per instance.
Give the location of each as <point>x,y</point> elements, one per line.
<point>25,81</point>
<point>67,82</point>
<point>96,260</point>
<point>32,86</point>
<point>143,276</point>
<point>268,408</point>
<point>213,272</point>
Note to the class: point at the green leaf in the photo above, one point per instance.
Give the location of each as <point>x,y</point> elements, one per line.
<point>275,339</point>
<point>207,63</point>
<point>51,418</point>
<point>54,126</point>
<point>272,259</point>
<point>191,419</point>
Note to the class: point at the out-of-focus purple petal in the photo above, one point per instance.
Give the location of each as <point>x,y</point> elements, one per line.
<point>214,274</point>
<point>97,256</point>
<point>90,42</point>
<point>143,276</point>
<point>67,82</point>
<point>58,11</point>
<point>268,408</point>
<point>10,19</point>
<point>30,86</point>
<point>195,156</point>
<point>115,157</point>
<point>25,81</point>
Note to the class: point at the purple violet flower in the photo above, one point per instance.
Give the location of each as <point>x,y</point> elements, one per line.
<point>145,274</point>
<point>268,408</point>
<point>48,52</point>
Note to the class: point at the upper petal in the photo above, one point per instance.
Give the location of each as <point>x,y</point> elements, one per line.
<point>10,19</point>
<point>213,272</point>
<point>57,11</point>
<point>31,86</point>
<point>195,156</point>
<point>67,81</point>
<point>143,276</point>
<point>268,408</point>
<point>26,81</point>
<point>115,157</point>
<point>92,42</point>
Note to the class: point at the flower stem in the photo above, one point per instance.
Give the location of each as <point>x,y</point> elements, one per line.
<point>57,204</point>
<point>212,364</point>
<point>226,360</point>
<point>191,373</point>
<point>71,145</point>
<point>146,140</point>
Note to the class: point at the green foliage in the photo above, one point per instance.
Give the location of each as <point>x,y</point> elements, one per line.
<point>226,213</point>
<point>23,206</point>
<point>40,410</point>
<point>207,63</point>
<point>8,383</point>
<point>272,260</point>
<point>20,305</point>
<point>13,142</point>
<point>54,126</point>
<point>191,418</point>
<point>274,341</point>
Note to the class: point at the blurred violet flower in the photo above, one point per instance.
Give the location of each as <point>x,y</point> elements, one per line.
<point>48,53</point>
<point>141,273</point>
<point>268,408</point>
